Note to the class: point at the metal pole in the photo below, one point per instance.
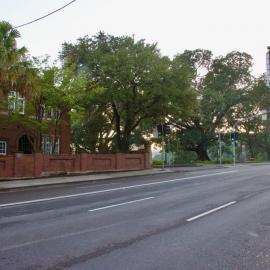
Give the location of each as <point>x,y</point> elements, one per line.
<point>163,148</point>
<point>219,142</point>
<point>233,153</point>
<point>234,145</point>
<point>169,151</point>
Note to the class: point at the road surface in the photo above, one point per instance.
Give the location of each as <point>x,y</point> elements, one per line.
<point>209,219</point>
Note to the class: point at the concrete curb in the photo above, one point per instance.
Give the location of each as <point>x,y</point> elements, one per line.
<point>51,181</point>
<point>70,179</point>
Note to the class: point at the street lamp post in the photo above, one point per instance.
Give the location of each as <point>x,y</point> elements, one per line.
<point>163,151</point>
<point>234,149</point>
<point>219,144</point>
<point>268,67</point>
<point>233,140</point>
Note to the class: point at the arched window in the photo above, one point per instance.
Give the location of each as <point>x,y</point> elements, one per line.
<point>25,145</point>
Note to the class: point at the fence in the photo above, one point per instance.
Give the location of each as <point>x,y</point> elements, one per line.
<point>35,165</point>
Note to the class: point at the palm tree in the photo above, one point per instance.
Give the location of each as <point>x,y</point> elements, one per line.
<point>16,71</point>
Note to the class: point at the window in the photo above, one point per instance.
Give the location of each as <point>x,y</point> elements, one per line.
<point>3,147</point>
<point>12,100</point>
<point>47,145</point>
<point>25,144</point>
<point>51,113</point>
<point>16,102</point>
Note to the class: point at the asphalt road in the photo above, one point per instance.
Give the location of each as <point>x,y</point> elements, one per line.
<point>210,219</point>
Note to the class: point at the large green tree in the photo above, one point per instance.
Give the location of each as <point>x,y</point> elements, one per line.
<point>221,83</point>
<point>136,84</point>
<point>254,130</point>
<point>48,109</point>
<point>16,72</point>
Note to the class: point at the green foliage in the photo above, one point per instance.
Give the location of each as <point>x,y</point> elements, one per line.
<point>16,74</point>
<point>156,163</point>
<point>57,94</point>
<point>185,157</point>
<point>221,84</point>
<point>115,89</point>
<point>135,85</point>
<point>16,71</point>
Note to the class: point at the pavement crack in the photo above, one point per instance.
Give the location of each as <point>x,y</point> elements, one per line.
<point>71,261</point>
<point>253,194</point>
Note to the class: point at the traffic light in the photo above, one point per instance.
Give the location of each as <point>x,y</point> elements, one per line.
<point>234,137</point>
<point>160,131</point>
<point>163,130</point>
<point>167,129</point>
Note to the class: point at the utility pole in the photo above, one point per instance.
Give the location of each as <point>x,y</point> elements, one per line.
<point>219,143</point>
<point>233,153</point>
<point>233,141</point>
<point>163,147</point>
<point>268,67</point>
<point>161,134</point>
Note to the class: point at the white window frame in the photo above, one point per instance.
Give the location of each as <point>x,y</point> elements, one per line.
<point>3,143</point>
<point>47,145</point>
<point>51,113</point>
<point>14,101</point>
<point>22,100</point>
<point>57,146</point>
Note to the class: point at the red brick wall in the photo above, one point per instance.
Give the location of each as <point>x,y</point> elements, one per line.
<point>100,162</point>
<point>61,163</point>
<point>6,166</point>
<point>36,165</point>
<point>11,133</point>
<point>24,165</point>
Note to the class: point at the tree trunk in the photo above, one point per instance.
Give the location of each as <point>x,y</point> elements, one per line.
<point>268,153</point>
<point>202,153</point>
<point>117,127</point>
<point>125,143</point>
<point>251,150</point>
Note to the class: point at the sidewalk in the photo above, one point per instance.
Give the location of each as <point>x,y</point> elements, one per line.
<point>35,182</point>
<point>46,181</point>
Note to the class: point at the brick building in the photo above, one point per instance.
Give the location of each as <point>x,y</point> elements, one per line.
<point>15,137</point>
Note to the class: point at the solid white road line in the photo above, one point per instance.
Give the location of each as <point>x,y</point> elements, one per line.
<point>98,185</point>
<point>120,204</point>
<point>211,211</point>
<point>112,189</point>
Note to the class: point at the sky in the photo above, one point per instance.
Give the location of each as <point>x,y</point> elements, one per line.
<point>175,25</point>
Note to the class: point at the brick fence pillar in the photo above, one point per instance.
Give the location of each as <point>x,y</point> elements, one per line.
<point>16,171</point>
<point>38,164</point>
<point>119,161</point>
<point>148,156</point>
<point>83,162</point>
<point>148,160</point>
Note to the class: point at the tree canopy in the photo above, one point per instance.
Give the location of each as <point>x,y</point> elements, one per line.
<point>136,84</point>
<point>116,89</point>
<point>221,84</point>
<point>16,71</point>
